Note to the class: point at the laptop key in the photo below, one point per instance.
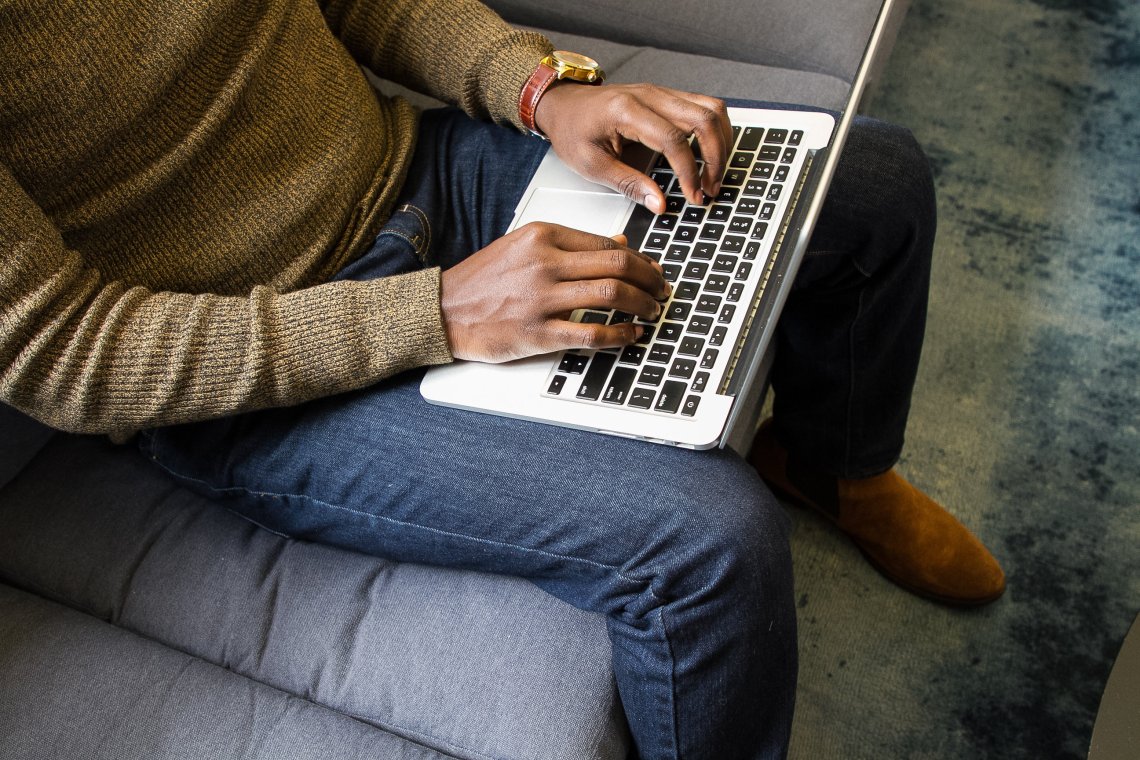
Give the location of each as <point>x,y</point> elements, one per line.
<point>696,270</point>
<point>717,283</point>
<point>776,136</point>
<point>735,291</point>
<point>796,136</point>
<point>700,382</point>
<point>744,271</point>
<point>593,318</point>
<point>686,291</point>
<point>727,194</point>
<point>672,272</point>
<point>685,234</point>
<point>752,250</point>
<point>690,407</point>
<point>755,187</point>
<point>683,368</point>
<point>700,325</point>
<point>734,177</point>
<point>651,375</point>
<point>641,398</point>
<point>762,171</point>
<point>770,153</point>
<point>556,385</point>
<point>709,359</point>
<point>657,241</point>
<point>732,244</point>
<point>712,231</point>
<point>691,346</point>
<point>574,364</point>
<point>704,250</point>
<point>670,399</point>
<point>595,379</point>
<point>708,304</point>
<point>618,390</point>
<point>693,215</point>
<point>720,213</point>
<point>660,354</point>
<point>632,355</point>
<point>670,331</point>
<point>718,336</point>
<point>646,334</point>
<point>750,138</point>
<point>677,253</point>
<point>782,174</point>
<point>662,178</point>
<point>760,230</point>
<point>740,160</point>
<point>678,310</point>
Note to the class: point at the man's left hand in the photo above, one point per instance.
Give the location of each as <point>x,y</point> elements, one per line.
<point>588,126</point>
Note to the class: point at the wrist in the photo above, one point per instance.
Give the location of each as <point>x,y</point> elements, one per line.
<point>556,67</point>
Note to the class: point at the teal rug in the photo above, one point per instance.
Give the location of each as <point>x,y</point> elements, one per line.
<point>1026,420</point>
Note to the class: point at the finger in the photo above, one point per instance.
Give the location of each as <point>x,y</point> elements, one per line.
<point>623,264</point>
<point>707,120</point>
<point>575,241</point>
<point>564,334</point>
<point>603,294</point>
<point>637,121</point>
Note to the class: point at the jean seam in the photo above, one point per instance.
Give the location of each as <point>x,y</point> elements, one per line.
<point>272,495</point>
<point>426,224</point>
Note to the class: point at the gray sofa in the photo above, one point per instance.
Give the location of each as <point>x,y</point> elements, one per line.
<point>139,621</point>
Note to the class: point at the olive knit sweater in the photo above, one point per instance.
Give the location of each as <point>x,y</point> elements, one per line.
<point>179,180</point>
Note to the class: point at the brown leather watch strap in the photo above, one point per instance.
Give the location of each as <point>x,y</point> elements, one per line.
<point>532,91</point>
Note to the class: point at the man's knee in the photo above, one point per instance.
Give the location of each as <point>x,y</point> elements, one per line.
<point>891,169</point>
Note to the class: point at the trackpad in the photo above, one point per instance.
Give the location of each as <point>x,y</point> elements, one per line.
<point>597,213</point>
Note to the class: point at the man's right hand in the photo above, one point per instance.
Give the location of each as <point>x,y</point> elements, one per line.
<point>514,298</point>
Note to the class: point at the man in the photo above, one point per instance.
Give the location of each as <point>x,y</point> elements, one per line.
<point>213,230</point>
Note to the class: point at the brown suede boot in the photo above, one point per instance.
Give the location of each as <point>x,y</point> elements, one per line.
<point>906,535</point>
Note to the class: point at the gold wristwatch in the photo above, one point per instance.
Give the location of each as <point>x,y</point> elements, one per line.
<point>559,65</point>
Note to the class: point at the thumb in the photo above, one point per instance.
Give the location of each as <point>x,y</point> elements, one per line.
<point>610,171</point>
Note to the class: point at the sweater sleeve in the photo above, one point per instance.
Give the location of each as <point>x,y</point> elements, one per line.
<point>85,354</point>
<point>459,51</point>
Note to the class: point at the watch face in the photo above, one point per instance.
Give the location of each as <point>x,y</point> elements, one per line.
<point>577,60</point>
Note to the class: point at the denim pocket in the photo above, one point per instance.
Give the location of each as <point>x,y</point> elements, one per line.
<point>411,224</point>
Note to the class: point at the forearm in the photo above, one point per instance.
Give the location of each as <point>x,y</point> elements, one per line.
<point>456,50</point>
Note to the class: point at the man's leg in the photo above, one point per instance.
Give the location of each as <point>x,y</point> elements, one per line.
<point>849,344</point>
<point>686,553</point>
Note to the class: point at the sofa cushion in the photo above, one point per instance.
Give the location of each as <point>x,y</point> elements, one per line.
<point>470,664</point>
<point>124,697</point>
<point>810,35</point>
<point>21,438</point>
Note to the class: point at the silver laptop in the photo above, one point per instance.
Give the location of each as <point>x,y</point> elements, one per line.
<point>697,376</point>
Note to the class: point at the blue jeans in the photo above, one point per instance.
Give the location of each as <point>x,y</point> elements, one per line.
<point>686,553</point>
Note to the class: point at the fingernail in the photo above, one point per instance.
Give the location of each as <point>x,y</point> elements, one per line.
<point>654,204</point>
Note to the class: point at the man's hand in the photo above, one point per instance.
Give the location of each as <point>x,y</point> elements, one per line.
<point>513,298</point>
<point>587,127</point>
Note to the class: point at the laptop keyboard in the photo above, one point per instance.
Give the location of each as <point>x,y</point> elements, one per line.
<point>717,258</point>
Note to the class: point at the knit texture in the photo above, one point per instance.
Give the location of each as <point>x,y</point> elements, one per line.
<point>179,181</point>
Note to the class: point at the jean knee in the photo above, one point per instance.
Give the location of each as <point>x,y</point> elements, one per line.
<point>739,533</point>
<point>892,168</point>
